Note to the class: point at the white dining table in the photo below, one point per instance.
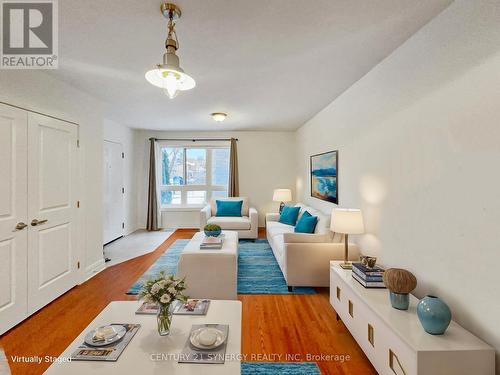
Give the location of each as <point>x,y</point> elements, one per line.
<point>150,353</point>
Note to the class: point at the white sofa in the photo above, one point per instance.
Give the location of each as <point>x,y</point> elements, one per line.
<point>247,225</point>
<point>304,258</point>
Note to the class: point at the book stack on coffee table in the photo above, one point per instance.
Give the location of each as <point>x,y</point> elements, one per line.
<point>212,243</point>
<point>368,277</point>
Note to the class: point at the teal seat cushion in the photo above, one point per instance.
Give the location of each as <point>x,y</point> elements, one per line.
<point>228,208</point>
<point>289,215</point>
<point>306,224</point>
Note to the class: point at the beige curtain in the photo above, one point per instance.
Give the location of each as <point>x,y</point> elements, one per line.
<point>152,220</point>
<point>234,186</point>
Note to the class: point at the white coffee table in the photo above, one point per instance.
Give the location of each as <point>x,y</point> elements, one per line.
<point>210,274</point>
<point>148,353</point>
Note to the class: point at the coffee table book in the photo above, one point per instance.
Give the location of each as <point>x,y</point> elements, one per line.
<point>365,272</point>
<point>212,243</point>
<point>178,308</point>
<point>147,308</point>
<point>367,283</point>
<point>200,308</point>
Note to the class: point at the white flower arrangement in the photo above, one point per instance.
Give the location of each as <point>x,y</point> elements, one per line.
<point>163,290</point>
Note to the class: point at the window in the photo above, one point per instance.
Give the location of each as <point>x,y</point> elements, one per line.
<point>191,176</point>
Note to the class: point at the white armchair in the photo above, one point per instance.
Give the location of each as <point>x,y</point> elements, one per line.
<point>247,225</point>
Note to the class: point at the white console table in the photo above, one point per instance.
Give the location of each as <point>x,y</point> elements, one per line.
<point>394,340</point>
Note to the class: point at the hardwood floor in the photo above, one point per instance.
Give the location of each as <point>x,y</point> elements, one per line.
<point>273,327</point>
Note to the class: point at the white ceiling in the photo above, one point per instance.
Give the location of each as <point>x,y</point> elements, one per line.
<point>270,64</point>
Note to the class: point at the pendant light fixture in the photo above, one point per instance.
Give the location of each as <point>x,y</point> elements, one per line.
<point>169,76</point>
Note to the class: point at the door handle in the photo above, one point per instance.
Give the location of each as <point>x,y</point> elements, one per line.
<point>36,222</point>
<point>20,226</point>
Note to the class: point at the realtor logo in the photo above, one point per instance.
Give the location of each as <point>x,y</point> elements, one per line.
<point>29,34</point>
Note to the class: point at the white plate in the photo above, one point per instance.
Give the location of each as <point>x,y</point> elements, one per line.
<point>119,332</point>
<point>195,338</point>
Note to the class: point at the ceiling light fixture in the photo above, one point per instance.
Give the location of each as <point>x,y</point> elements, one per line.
<point>169,76</point>
<point>219,116</point>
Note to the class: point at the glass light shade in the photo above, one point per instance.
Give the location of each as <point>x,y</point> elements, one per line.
<point>282,195</point>
<point>347,221</point>
<point>170,80</point>
<point>219,116</point>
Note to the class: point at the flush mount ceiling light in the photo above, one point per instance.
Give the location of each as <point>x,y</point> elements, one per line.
<point>169,76</point>
<point>219,116</point>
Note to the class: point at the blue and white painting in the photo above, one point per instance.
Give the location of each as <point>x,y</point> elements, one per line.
<point>324,176</point>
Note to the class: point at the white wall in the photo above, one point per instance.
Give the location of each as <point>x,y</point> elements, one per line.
<point>265,160</point>
<point>39,91</point>
<point>115,132</point>
<point>419,150</point>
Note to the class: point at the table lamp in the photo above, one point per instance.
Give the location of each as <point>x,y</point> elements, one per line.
<point>282,195</point>
<point>347,221</point>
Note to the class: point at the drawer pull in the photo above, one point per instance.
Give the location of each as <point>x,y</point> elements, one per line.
<point>371,335</point>
<point>393,356</point>
<point>338,293</point>
<point>351,309</point>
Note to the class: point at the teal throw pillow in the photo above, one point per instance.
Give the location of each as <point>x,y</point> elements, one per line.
<point>306,224</point>
<point>228,208</point>
<point>289,215</point>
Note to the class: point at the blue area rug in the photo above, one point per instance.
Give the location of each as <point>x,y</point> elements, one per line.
<point>281,368</point>
<point>167,262</point>
<point>258,270</point>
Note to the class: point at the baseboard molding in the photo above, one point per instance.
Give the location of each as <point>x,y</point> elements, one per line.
<point>94,269</point>
<point>131,230</point>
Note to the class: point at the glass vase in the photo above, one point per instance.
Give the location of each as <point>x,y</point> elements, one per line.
<point>164,319</point>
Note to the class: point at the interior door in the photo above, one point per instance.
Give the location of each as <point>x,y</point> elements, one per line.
<point>13,214</point>
<point>113,191</point>
<point>52,176</point>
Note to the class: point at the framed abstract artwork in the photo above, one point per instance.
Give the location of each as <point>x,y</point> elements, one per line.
<point>324,169</point>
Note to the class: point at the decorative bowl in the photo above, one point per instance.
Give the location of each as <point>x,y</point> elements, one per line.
<point>212,233</point>
<point>368,261</point>
<point>212,230</point>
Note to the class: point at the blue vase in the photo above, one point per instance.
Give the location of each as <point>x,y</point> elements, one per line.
<point>434,315</point>
<point>400,301</point>
<point>212,233</point>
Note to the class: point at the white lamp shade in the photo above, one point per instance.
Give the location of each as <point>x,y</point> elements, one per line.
<point>282,195</point>
<point>347,221</point>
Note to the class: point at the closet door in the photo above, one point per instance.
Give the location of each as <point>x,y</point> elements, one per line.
<point>13,216</point>
<point>52,176</point>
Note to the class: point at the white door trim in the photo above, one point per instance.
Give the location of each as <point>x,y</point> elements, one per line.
<point>119,201</point>
<point>13,210</point>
